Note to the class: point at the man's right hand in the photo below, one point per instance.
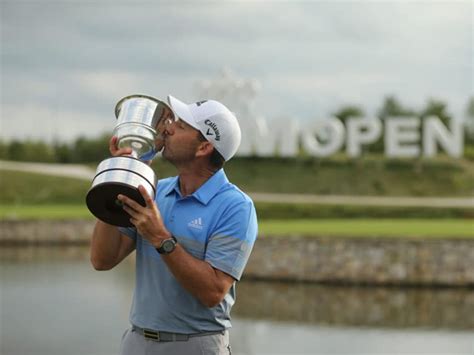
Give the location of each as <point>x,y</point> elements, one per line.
<point>116,151</point>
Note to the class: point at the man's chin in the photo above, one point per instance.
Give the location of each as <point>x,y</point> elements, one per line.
<point>164,154</point>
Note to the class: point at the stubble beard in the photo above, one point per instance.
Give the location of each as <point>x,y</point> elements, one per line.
<point>176,159</point>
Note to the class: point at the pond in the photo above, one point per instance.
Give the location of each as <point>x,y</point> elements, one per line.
<point>54,303</point>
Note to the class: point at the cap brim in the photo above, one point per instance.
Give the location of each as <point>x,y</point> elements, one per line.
<point>182,111</point>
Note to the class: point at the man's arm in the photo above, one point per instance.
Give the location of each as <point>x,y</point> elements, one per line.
<point>204,282</point>
<point>198,277</point>
<point>108,246</point>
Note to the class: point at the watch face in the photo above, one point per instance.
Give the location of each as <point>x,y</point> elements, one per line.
<point>168,246</point>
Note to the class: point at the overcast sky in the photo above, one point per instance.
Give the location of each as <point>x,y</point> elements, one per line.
<point>64,64</point>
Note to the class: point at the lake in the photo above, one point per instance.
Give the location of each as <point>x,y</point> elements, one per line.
<point>54,303</point>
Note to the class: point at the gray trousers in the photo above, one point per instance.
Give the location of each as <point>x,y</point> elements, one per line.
<point>133,343</point>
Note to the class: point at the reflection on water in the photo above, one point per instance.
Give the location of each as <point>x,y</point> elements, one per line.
<point>54,303</point>
<point>357,306</point>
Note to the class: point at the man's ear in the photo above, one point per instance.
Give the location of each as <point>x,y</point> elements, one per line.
<point>204,148</point>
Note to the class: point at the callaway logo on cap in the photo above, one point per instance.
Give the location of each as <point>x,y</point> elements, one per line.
<point>213,120</point>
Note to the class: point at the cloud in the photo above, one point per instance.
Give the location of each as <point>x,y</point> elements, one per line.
<point>46,122</point>
<point>79,58</point>
<point>107,85</point>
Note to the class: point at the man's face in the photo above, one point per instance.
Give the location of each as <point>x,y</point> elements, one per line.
<point>166,116</point>
<point>180,142</point>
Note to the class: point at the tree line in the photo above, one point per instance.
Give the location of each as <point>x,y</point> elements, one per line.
<point>85,150</point>
<point>82,150</point>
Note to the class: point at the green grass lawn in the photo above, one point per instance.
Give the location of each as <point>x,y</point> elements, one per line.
<point>47,211</point>
<point>29,189</point>
<point>21,188</point>
<point>367,176</point>
<point>370,227</point>
<point>321,227</point>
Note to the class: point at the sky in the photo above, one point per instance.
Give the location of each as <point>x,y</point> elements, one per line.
<point>65,64</point>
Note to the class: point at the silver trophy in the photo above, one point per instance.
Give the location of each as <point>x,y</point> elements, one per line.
<point>138,121</point>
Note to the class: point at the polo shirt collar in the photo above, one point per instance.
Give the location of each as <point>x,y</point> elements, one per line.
<point>207,190</point>
<point>173,186</point>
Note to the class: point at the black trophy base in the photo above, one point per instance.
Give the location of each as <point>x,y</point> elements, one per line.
<point>103,203</point>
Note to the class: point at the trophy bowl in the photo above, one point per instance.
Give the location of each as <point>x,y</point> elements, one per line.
<point>138,118</point>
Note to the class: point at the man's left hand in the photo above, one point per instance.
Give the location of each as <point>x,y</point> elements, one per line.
<point>147,219</point>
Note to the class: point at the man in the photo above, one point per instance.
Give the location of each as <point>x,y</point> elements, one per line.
<point>192,242</point>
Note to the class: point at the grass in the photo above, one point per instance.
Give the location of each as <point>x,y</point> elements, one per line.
<point>369,227</point>
<point>366,176</point>
<point>41,197</point>
<point>266,210</point>
<point>42,212</point>
<point>339,175</point>
<point>280,227</point>
<point>31,188</point>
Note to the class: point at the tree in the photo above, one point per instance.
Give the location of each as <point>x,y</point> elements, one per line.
<point>348,111</point>
<point>87,150</point>
<point>393,108</point>
<point>470,121</point>
<point>62,152</point>
<point>3,150</point>
<point>436,108</point>
<point>34,151</point>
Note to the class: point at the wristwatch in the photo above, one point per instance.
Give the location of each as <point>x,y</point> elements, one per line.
<point>167,246</point>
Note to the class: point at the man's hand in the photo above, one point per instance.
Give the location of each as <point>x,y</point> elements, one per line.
<point>115,150</point>
<point>146,219</point>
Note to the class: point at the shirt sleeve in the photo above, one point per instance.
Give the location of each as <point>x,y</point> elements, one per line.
<point>231,242</point>
<point>129,232</point>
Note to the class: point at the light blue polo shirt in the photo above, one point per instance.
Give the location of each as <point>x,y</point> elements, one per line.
<point>218,224</point>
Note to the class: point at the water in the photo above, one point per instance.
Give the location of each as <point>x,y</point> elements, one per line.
<point>54,303</point>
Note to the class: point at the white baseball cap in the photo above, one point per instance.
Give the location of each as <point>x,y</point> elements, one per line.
<point>216,123</point>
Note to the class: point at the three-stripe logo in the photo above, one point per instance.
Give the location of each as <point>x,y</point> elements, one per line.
<point>196,223</point>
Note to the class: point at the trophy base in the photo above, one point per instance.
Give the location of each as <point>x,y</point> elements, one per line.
<point>115,177</point>
<point>102,202</point>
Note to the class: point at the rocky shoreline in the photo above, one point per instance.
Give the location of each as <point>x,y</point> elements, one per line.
<point>358,261</point>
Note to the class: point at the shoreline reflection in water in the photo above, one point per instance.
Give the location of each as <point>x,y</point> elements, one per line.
<point>54,303</point>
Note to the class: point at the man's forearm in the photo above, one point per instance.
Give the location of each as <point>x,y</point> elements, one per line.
<point>105,246</point>
<point>198,277</point>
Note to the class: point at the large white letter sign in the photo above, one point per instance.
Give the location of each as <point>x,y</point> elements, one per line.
<point>434,131</point>
<point>280,138</point>
<point>361,131</point>
<point>332,132</point>
<point>253,129</point>
<point>400,134</point>
<point>287,131</point>
<point>325,137</point>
